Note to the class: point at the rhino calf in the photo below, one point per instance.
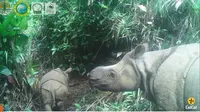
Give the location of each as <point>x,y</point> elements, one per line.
<point>54,88</point>
<point>170,77</point>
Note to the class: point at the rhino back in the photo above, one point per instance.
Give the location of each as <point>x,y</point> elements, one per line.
<point>53,91</point>
<point>168,85</point>
<point>55,75</point>
<point>192,85</point>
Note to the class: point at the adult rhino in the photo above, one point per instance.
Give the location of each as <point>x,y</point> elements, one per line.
<point>54,88</point>
<point>170,77</point>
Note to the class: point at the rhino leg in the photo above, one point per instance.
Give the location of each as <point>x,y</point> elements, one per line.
<point>61,94</point>
<point>48,107</point>
<point>47,99</point>
<point>61,105</point>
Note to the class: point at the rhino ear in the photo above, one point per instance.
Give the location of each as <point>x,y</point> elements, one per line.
<point>68,70</point>
<point>140,50</point>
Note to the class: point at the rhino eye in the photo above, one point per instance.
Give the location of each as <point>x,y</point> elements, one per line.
<point>112,75</point>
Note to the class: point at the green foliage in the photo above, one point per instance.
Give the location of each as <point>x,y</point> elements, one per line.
<point>14,57</point>
<point>126,101</point>
<point>82,30</point>
<point>180,18</point>
<point>74,34</point>
<point>12,41</point>
<point>13,25</point>
<point>78,106</point>
<point>5,71</point>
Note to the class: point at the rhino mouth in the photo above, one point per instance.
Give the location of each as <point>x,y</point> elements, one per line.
<point>96,84</point>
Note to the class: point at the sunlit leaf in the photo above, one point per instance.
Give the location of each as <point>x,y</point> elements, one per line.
<point>102,5</point>
<point>28,109</point>
<point>143,8</point>
<point>99,108</point>
<point>6,56</point>
<point>33,72</point>
<point>178,3</point>
<point>4,70</point>
<point>119,54</point>
<point>4,40</point>
<point>149,22</point>
<point>53,50</point>
<point>105,109</point>
<point>128,93</point>
<point>77,105</point>
<point>31,80</point>
<point>23,24</point>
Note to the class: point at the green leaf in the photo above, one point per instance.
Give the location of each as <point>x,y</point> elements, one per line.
<point>1,28</point>
<point>23,25</point>
<point>22,40</point>
<point>18,59</point>
<point>4,70</point>
<point>13,20</point>
<point>99,108</point>
<point>1,52</point>
<point>32,80</point>
<point>106,109</point>
<point>4,40</point>
<point>33,72</point>
<point>6,56</point>
<point>102,5</point>
<point>9,21</point>
<point>74,36</point>
<point>54,49</point>
<point>11,33</point>
<point>28,109</point>
<point>77,105</point>
<point>128,93</point>
<point>85,57</point>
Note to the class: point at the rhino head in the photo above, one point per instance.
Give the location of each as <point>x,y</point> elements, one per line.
<point>168,77</point>
<point>123,76</point>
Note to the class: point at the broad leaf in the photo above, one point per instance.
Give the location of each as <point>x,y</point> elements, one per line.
<point>102,5</point>
<point>32,80</point>
<point>4,70</point>
<point>1,28</point>
<point>22,40</point>
<point>23,24</point>
<point>77,105</point>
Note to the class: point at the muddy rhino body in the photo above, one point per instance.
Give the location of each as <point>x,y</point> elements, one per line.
<point>54,89</point>
<point>169,77</point>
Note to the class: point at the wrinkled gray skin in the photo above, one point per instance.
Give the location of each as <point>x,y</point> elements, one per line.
<point>54,88</point>
<point>161,74</point>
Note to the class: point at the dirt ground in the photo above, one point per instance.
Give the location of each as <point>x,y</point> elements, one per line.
<point>77,88</point>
